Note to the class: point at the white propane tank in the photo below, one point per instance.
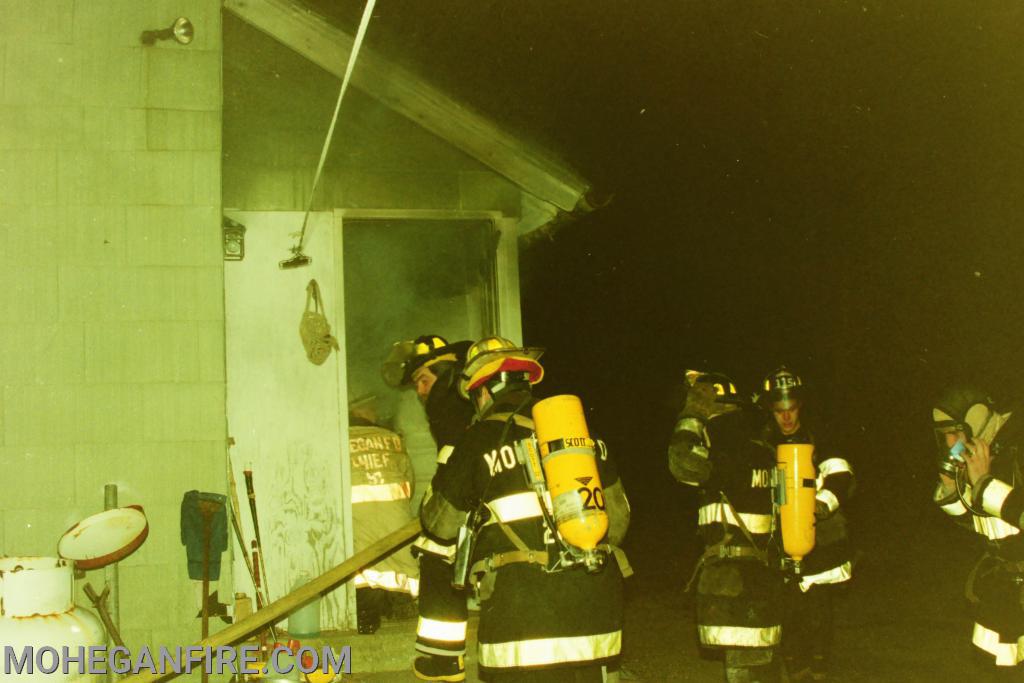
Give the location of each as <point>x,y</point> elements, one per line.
<point>37,610</point>
<point>37,597</point>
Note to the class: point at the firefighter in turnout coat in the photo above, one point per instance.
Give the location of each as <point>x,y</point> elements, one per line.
<point>809,614</point>
<point>981,485</point>
<point>739,587</point>
<point>431,366</point>
<point>381,487</point>
<point>540,620</point>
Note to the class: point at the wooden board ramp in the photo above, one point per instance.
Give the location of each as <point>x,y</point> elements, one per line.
<point>283,606</point>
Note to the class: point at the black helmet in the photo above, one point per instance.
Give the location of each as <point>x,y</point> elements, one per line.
<point>782,385</point>
<point>963,409</point>
<point>725,388</point>
<point>407,357</point>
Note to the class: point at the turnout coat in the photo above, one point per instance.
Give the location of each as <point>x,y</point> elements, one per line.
<point>530,617</point>
<point>739,588</point>
<point>995,587</point>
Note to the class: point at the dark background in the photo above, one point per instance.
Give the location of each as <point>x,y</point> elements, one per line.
<point>836,186</point>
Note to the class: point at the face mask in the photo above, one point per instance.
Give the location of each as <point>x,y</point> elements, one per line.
<point>957,451</point>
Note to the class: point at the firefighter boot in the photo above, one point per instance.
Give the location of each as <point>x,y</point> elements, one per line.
<point>438,668</point>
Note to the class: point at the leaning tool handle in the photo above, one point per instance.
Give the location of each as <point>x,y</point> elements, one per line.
<point>236,524</point>
<point>206,509</point>
<point>261,599</point>
<point>100,602</point>
<point>251,492</point>
<point>281,607</point>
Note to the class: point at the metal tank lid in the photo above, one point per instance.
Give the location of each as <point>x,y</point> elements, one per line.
<point>104,538</point>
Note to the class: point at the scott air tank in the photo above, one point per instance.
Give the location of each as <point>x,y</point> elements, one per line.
<point>796,497</point>
<point>569,459</point>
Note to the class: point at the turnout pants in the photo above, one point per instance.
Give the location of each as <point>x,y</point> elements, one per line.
<point>442,622</point>
<point>739,611</point>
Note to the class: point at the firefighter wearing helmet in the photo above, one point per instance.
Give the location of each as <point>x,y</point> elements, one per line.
<point>980,458</point>
<point>715,447</point>
<point>550,610</point>
<point>808,623</point>
<point>431,366</point>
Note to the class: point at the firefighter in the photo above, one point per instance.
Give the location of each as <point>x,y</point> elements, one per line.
<point>969,427</point>
<point>739,586</point>
<point>809,610</point>
<point>431,366</point>
<point>381,487</point>
<point>1003,501</point>
<point>543,617</point>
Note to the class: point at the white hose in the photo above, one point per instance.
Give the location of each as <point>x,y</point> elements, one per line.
<point>357,43</point>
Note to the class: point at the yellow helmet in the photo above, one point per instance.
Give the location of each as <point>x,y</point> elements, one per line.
<point>493,355</point>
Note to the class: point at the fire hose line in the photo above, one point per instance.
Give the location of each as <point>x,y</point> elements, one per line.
<point>356,45</point>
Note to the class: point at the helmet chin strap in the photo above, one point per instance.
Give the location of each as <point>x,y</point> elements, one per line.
<point>483,400</point>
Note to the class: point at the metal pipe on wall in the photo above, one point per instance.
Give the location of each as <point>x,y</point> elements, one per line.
<point>110,576</point>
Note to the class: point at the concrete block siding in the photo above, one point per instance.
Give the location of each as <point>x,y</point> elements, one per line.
<point>111,283</point>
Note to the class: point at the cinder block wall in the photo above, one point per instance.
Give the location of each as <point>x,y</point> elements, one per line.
<point>111,285</point>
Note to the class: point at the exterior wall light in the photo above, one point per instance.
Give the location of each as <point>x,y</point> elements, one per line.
<point>181,30</point>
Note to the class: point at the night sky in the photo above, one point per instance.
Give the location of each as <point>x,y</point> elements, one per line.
<point>836,186</point>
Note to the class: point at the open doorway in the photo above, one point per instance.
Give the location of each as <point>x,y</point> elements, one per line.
<point>405,277</point>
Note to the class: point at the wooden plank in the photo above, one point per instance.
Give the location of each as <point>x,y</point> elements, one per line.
<point>280,608</point>
<point>327,46</point>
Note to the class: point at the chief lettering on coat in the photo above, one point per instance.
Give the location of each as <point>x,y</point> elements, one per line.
<point>501,459</point>
<point>371,461</point>
<point>760,479</point>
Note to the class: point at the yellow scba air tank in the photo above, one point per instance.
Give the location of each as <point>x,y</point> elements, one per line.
<point>796,497</point>
<point>570,468</point>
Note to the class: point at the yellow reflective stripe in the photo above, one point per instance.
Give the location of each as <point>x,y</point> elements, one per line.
<point>447,631</point>
<point>388,580</point>
<point>994,495</point>
<point>994,528</point>
<point>515,507</point>
<point>427,545</point>
<point>1006,654</point>
<point>835,575</point>
<point>444,454</point>
<point>547,651</point>
<point>829,499</point>
<point>716,512</point>
<point>740,636</point>
<point>380,493</point>
<point>833,466</point>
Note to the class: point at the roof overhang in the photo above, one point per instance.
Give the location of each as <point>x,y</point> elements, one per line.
<point>535,172</point>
